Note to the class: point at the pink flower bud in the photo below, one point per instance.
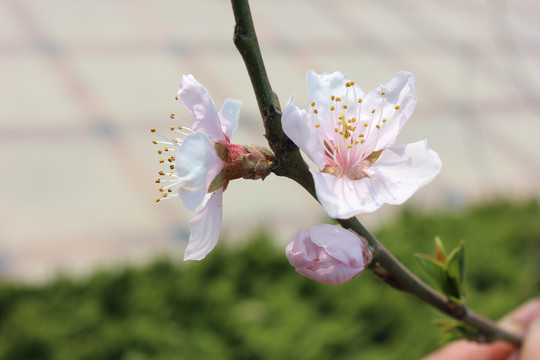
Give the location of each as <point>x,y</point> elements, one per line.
<point>328,254</point>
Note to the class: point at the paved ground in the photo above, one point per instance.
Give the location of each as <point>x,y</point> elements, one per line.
<point>81,82</point>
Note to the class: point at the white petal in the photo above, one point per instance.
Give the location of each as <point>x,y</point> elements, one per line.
<point>205,228</point>
<point>399,91</point>
<point>339,243</point>
<point>322,86</point>
<point>342,197</point>
<point>197,164</point>
<point>197,99</point>
<point>302,132</point>
<point>401,171</point>
<point>229,115</point>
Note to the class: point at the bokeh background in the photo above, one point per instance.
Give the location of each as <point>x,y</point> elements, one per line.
<point>81,83</point>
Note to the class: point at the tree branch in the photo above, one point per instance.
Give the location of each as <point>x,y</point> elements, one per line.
<point>289,163</point>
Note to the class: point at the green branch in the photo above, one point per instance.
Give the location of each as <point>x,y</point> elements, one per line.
<point>288,162</point>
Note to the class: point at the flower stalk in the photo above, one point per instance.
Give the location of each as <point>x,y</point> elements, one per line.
<point>289,163</point>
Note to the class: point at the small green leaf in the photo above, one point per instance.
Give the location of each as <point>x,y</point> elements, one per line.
<point>455,330</point>
<point>455,271</point>
<point>434,269</point>
<point>440,253</point>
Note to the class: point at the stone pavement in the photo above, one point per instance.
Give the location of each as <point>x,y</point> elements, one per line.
<point>81,82</point>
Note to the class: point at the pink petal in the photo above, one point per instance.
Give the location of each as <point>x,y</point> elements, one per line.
<point>340,243</point>
<point>302,132</point>
<point>197,99</point>
<point>401,171</point>
<point>197,164</point>
<point>229,115</point>
<point>205,227</point>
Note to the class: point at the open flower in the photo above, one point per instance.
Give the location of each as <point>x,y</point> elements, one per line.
<point>350,137</point>
<point>328,254</point>
<point>196,163</point>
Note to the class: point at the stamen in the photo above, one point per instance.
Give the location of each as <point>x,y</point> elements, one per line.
<point>397,107</point>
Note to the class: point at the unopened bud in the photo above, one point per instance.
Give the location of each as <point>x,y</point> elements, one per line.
<point>328,254</point>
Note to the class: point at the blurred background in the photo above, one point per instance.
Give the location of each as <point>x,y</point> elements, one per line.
<point>81,84</point>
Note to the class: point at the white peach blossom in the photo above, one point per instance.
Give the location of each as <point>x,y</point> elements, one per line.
<point>351,136</point>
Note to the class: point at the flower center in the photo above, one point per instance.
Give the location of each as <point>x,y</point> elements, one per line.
<point>349,129</point>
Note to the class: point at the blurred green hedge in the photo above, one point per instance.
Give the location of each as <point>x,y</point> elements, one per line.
<point>248,303</point>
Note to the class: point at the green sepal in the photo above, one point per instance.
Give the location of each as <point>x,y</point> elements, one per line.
<point>219,181</point>
<point>374,156</point>
<point>222,151</point>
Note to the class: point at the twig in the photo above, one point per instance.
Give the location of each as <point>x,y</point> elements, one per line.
<point>289,163</point>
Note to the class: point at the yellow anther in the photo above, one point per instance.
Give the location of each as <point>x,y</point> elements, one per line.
<point>313,103</point>
<point>157,199</point>
<point>164,194</point>
<point>332,97</point>
<point>366,124</point>
<point>332,108</point>
<point>166,148</point>
<point>360,101</point>
<point>159,152</point>
<point>344,106</point>
<point>158,180</point>
<point>349,146</point>
<point>353,128</point>
<point>362,141</point>
<point>353,119</point>
<point>180,127</point>
<point>338,99</point>
<point>173,116</point>
<point>317,125</point>
<point>160,189</point>
<point>383,120</point>
<point>361,135</point>
<point>356,142</point>
<point>383,92</point>
<point>336,130</point>
<point>352,82</point>
<point>348,84</point>
<point>373,111</point>
<point>378,126</point>
<point>341,116</point>
<point>154,142</point>
<point>341,133</point>
<point>170,159</point>
<point>161,161</point>
<point>175,97</point>
<point>349,121</point>
<point>153,129</point>
<point>397,107</point>
<point>161,173</point>
<point>315,111</point>
<point>169,190</point>
<point>172,128</point>
<point>336,147</point>
<point>172,167</point>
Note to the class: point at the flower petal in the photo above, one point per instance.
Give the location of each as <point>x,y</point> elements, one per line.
<point>339,243</point>
<point>402,170</point>
<point>205,227</point>
<point>197,164</point>
<point>398,92</point>
<point>229,115</point>
<point>302,132</point>
<point>322,86</point>
<point>343,198</point>
<point>195,97</point>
